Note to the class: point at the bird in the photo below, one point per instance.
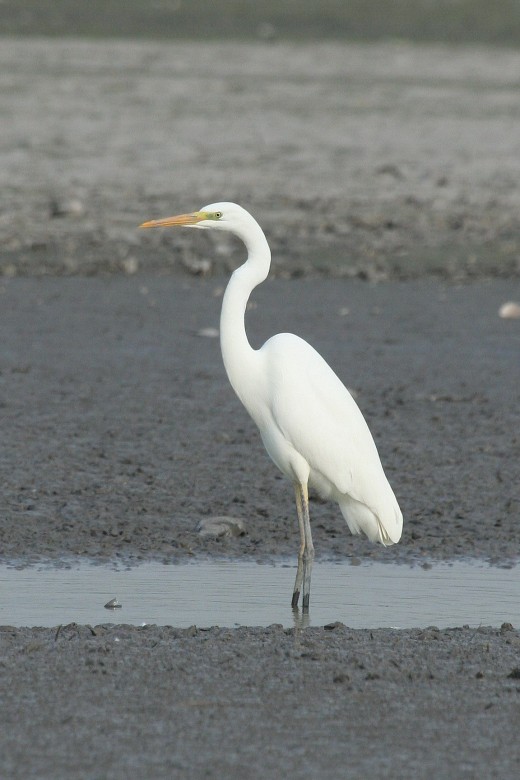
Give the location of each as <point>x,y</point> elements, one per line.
<point>309,423</point>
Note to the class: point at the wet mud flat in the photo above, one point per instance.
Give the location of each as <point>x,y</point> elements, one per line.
<point>114,701</point>
<point>120,433</point>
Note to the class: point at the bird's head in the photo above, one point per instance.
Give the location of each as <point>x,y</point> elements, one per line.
<point>220,216</point>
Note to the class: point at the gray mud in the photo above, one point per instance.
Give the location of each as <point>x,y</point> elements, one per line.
<point>119,702</point>
<point>121,432</point>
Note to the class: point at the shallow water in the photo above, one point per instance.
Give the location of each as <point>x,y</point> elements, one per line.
<point>233,593</point>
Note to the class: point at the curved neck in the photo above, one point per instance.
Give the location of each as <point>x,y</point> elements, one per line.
<point>237,353</point>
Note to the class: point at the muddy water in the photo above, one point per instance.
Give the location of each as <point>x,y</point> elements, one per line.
<point>233,593</point>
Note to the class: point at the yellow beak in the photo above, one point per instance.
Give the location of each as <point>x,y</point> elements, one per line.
<point>180,219</point>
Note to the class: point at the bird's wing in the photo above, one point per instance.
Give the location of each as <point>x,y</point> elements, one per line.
<point>318,416</point>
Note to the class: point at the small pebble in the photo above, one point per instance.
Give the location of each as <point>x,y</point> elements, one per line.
<point>130,265</point>
<point>221,526</point>
<point>208,333</point>
<point>197,267</point>
<point>113,604</point>
<point>510,311</point>
<point>66,208</point>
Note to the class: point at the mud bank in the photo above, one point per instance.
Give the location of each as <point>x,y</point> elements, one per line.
<point>117,701</point>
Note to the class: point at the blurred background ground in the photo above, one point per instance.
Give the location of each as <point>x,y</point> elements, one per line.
<point>392,157</point>
<point>455,21</point>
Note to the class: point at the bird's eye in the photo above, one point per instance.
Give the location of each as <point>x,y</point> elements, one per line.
<point>218,214</point>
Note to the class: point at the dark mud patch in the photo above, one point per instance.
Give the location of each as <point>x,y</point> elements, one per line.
<point>120,431</point>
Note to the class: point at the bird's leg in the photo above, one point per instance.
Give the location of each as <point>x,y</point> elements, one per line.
<point>299,572</point>
<point>306,552</point>
<point>308,555</point>
<point>301,522</point>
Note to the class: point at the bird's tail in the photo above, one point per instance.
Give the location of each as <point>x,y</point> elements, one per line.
<point>385,528</point>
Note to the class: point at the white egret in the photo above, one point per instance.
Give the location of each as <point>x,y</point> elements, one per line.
<point>309,423</point>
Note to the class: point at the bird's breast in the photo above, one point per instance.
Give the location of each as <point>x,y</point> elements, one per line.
<point>283,454</point>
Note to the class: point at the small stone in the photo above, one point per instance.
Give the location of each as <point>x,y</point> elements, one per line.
<point>197,267</point>
<point>113,604</point>
<point>208,333</point>
<point>389,169</point>
<point>130,265</point>
<point>509,311</point>
<point>66,208</point>
<point>221,526</point>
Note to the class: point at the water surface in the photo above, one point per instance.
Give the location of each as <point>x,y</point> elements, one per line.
<point>233,593</point>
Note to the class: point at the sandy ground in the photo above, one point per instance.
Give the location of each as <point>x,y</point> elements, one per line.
<point>120,432</point>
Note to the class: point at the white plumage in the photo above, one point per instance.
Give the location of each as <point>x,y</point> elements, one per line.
<point>310,425</point>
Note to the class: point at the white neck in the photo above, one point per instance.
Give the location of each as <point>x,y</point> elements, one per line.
<point>237,353</point>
